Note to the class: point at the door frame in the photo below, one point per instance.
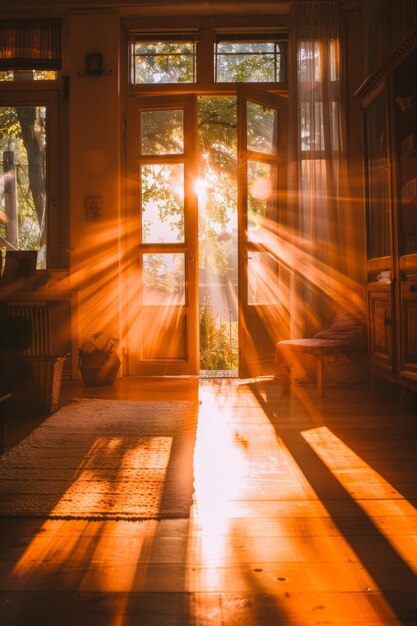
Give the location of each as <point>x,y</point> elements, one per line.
<point>248,364</point>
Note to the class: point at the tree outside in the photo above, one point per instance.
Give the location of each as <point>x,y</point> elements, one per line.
<point>23,145</point>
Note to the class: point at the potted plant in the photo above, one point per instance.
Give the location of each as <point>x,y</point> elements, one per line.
<point>98,365</point>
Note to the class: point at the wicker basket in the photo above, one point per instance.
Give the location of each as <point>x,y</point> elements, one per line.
<point>46,381</point>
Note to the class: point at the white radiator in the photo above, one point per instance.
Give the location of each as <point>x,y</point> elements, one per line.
<point>38,313</point>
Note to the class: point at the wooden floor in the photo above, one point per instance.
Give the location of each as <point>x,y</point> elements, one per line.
<point>304,513</point>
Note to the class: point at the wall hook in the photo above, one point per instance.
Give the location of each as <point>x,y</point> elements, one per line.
<point>94,65</point>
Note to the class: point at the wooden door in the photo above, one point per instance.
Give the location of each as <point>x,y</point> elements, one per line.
<point>161,235</point>
<point>264,282</point>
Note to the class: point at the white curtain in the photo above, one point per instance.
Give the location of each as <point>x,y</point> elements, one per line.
<point>319,182</point>
<point>318,121</point>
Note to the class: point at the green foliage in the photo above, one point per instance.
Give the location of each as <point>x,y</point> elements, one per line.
<point>162,193</point>
<point>12,138</point>
<point>157,274</point>
<point>216,351</point>
<point>248,61</point>
<point>163,62</point>
<point>217,142</point>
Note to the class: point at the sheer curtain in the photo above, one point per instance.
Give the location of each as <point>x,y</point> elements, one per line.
<point>315,28</point>
<point>319,149</point>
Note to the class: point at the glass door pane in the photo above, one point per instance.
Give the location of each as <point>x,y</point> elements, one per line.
<point>162,202</point>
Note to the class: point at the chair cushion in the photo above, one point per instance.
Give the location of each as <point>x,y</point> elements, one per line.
<point>346,327</point>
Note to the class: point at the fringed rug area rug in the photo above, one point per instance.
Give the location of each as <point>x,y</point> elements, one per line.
<point>104,460</point>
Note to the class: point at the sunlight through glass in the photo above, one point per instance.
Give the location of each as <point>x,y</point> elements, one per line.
<point>200,188</point>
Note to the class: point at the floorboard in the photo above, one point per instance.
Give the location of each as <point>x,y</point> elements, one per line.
<point>304,513</point>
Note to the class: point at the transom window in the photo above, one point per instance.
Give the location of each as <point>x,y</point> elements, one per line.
<point>157,59</point>
<point>16,75</point>
<point>256,59</point>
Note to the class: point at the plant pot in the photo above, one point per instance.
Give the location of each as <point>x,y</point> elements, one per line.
<point>98,368</point>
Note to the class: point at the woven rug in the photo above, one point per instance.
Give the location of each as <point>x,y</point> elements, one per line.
<point>104,459</point>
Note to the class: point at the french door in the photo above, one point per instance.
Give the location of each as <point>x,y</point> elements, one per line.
<point>264,280</point>
<point>162,232</point>
<point>162,311</point>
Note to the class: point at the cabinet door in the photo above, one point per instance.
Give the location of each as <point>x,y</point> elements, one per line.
<point>405,130</point>
<point>377,179</point>
<point>409,329</point>
<point>381,327</point>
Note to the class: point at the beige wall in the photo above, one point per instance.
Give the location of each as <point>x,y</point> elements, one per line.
<point>94,171</point>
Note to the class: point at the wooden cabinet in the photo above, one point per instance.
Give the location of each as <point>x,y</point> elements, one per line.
<point>389,103</point>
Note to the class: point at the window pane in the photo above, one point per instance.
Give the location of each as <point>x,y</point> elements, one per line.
<point>162,132</point>
<point>250,61</point>
<point>334,58</point>
<point>162,192</point>
<point>312,125</point>
<point>10,75</point>
<point>262,279</point>
<point>163,279</point>
<point>262,199</point>
<point>309,62</point>
<point>23,158</point>
<point>162,62</point>
<point>262,131</point>
<point>315,204</point>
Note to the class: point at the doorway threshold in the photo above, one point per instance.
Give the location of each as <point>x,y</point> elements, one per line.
<point>219,374</point>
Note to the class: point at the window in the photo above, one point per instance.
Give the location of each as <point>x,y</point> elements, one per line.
<point>30,54</point>
<point>222,57</point>
<point>29,180</point>
<point>23,179</point>
<point>254,59</point>
<point>17,75</point>
<point>162,60</point>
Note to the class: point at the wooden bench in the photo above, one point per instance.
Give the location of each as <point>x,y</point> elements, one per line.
<point>346,335</point>
<point>320,349</point>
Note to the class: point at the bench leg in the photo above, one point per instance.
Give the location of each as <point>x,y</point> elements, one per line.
<point>287,379</point>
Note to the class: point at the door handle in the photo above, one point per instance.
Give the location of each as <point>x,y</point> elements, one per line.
<point>413,288</point>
